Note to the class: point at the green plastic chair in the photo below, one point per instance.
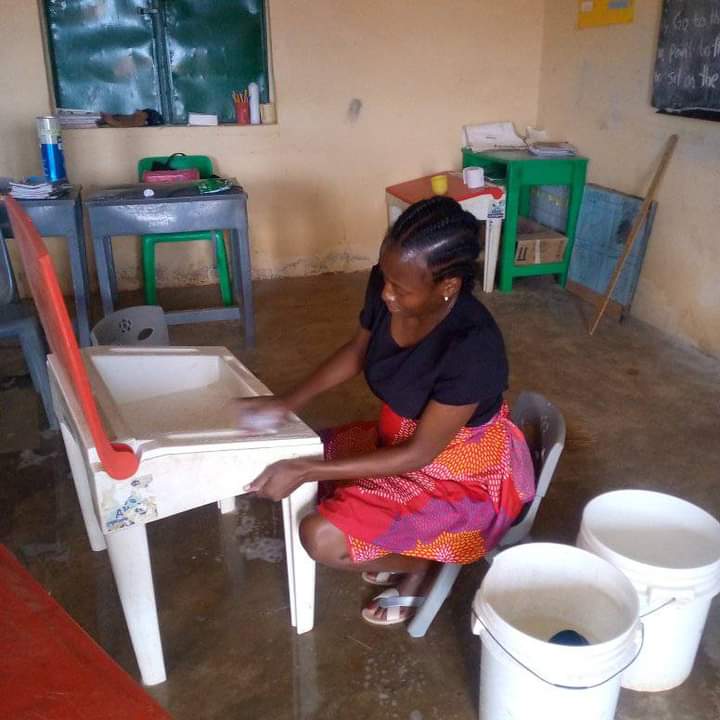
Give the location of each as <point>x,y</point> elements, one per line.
<point>148,242</point>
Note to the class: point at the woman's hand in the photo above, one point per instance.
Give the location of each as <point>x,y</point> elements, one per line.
<point>257,414</point>
<point>278,480</point>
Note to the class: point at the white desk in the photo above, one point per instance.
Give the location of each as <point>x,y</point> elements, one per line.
<point>486,203</point>
<point>168,405</point>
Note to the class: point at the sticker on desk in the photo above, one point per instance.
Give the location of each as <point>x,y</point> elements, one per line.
<point>143,481</point>
<point>135,509</point>
<point>496,211</point>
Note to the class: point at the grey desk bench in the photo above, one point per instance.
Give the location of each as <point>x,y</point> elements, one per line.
<point>174,207</point>
<point>63,217</point>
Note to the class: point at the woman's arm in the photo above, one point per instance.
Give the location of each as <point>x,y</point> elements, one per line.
<point>271,410</point>
<point>437,426</point>
<point>345,363</point>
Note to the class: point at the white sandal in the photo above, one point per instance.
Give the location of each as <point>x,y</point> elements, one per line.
<point>382,579</point>
<point>392,601</point>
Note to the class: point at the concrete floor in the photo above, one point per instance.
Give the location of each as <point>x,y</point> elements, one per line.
<point>641,412</point>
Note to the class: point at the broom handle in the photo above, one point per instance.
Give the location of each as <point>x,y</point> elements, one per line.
<point>637,224</point>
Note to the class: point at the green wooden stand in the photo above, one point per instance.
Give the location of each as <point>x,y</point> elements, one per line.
<point>518,171</point>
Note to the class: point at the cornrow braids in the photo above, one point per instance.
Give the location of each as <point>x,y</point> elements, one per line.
<point>445,234</point>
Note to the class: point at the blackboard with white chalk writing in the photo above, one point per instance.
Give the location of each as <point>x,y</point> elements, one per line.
<point>687,68</point>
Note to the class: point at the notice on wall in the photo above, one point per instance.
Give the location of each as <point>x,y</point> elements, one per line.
<point>597,13</point>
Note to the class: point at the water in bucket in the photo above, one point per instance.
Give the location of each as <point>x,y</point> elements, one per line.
<point>533,593</point>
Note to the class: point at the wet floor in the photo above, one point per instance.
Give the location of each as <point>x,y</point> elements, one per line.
<point>642,412</point>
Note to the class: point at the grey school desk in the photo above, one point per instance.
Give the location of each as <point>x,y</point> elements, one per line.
<point>63,217</point>
<point>174,207</point>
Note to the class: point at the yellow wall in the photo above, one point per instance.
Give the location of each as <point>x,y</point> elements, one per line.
<point>315,181</point>
<point>421,69</point>
<point>595,91</point>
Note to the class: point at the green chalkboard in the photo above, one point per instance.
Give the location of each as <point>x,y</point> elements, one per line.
<point>214,47</point>
<point>175,56</point>
<point>686,80</point>
<point>103,55</point>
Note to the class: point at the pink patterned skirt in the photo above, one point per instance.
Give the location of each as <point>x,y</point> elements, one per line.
<point>453,510</point>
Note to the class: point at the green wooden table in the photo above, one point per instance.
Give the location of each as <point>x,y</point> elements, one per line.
<point>519,170</point>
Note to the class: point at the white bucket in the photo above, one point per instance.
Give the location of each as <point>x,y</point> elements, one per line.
<point>670,551</point>
<point>532,592</point>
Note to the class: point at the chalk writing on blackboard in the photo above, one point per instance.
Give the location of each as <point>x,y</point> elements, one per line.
<point>686,79</point>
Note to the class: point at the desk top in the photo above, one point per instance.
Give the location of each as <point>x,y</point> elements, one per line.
<point>134,194</point>
<point>71,196</point>
<point>510,156</point>
<point>166,400</point>
<point>421,188</point>
<point>44,211</point>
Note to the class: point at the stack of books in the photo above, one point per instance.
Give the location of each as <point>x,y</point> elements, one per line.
<point>552,149</point>
<point>37,188</point>
<point>77,118</point>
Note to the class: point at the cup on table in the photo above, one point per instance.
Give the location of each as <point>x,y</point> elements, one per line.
<point>474,177</point>
<point>267,113</point>
<point>242,112</point>
<point>439,184</point>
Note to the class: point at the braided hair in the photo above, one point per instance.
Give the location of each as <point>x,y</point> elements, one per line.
<point>445,234</point>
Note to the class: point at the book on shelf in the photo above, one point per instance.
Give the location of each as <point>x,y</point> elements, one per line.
<point>37,188</point>
<point>552,149</point>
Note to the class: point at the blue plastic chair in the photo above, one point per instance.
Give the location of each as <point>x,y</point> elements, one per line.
<point>17,320</point>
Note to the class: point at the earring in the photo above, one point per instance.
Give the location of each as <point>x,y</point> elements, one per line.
<point>446,298</point>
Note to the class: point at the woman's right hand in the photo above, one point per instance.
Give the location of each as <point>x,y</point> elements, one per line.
<point>258,414</point>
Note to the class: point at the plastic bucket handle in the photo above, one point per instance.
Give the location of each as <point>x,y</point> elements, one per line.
<point>669,601</point>
<point>558,685</point>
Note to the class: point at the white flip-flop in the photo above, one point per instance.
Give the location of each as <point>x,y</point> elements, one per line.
<point>382,579</point>
<point>392,601</point>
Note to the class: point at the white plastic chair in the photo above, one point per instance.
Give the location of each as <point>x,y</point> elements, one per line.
<point>139,325</point>
<point>544,428</point>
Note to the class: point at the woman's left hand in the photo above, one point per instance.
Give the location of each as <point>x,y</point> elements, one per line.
<point>278,480</point>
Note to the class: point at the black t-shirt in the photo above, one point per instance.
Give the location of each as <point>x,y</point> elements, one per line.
<point>460,362</point>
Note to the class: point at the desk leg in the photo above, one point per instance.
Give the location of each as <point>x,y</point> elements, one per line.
<point>80,280</point>
<point>509,238</point>
<point>493,229</point>
<point>301,567</point>
<point>242,275</point>
<point>103,272</point>
<point>577,190</point>
<point>289,560</point>
<point>111,268</point>
<point>130,560</point>
<point>82,488</point>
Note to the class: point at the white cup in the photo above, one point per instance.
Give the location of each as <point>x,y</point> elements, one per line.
<point>474,177</point>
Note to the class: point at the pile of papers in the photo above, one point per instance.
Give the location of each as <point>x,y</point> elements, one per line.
<point>77,118</point>
<point>487,137</point>
<point>37,188</point>
<point>552,149</point>
<point>492,136</point>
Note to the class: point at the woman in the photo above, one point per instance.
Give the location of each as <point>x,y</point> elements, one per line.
<point>444,472</point>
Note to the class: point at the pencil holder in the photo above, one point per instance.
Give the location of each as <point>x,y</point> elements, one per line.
<point>242,113</point>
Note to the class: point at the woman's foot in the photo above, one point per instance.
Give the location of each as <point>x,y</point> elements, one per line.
<point>412,585</point>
